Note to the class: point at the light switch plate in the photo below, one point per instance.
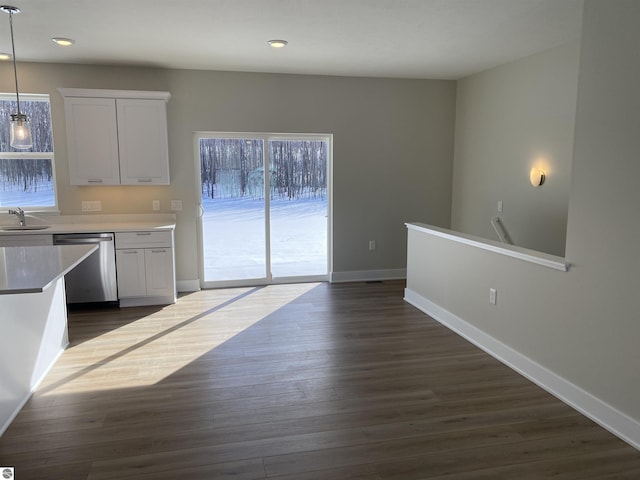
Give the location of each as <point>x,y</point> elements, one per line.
<point>155,204</point>
<point>493,296</point>
<point>176,205</point>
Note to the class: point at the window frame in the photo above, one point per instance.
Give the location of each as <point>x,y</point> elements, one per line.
<point>267,137</point>
<point>32,155</point>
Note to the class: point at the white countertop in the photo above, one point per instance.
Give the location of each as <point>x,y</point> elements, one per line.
<point>33,269</point>
<point>93,228</point>
<point>94,223</point>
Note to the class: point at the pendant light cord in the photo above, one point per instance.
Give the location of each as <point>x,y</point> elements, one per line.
<point>13,51</point>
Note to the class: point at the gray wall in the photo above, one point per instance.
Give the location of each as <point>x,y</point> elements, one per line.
<point>509,119</point>
<point>393,145</point>
<point>582,325</point>
<point>603,232</point>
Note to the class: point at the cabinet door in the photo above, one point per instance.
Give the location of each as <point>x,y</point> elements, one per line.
<point>160,272</point>
<point>92,141</point>
<point>142,139</point>
<point>130,268</point>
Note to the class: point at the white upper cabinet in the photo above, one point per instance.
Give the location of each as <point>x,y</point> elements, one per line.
<point>92,141</point>
<point>116,137</point>
<point>142,141</point>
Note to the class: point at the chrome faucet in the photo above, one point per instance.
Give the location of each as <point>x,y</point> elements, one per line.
<point>20,213</point>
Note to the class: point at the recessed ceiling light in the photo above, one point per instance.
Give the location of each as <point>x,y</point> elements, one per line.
<point>5,56</point>
<point>63,42</point>
<point>277,43</point>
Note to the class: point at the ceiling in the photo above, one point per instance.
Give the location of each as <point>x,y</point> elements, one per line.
<point>439,39</point>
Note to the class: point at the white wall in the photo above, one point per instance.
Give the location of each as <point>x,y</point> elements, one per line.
<point>509,119</point>
<point>393,144</point>
<point>582,326</point>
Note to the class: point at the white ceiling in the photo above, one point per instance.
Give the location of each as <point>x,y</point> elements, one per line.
<point>383,38</point>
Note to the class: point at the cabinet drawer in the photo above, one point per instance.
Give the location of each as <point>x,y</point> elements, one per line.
<point>25,240</point>
<point>143,239</point>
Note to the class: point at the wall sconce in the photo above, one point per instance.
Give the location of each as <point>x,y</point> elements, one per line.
<point>277,43</point>
<point>536,177</point>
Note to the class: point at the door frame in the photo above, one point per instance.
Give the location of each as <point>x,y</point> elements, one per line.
<point>266,137</point>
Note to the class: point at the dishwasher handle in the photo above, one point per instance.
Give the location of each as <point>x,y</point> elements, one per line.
<point>81,240</point>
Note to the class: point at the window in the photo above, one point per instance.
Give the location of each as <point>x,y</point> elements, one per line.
<point>27,177</point>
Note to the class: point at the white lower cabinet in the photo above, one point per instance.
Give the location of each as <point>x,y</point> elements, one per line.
<point>131,273</point>
<point>25,240</point>
<point>158,264</point>
<point>145,268</point>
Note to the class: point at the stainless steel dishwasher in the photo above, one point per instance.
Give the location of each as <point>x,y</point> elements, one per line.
<point>94,279</point>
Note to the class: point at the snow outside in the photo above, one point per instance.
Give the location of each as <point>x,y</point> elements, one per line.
<point>233,197</point>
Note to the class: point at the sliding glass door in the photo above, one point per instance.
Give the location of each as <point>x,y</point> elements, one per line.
<point>298,207</point>
<point>264,208</point>
<point>233,207</point>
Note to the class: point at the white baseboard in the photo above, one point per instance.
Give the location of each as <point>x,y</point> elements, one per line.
<point>335,277</point>
<point>621,425</point>
<point>188,285</point>
<point>368,275</point>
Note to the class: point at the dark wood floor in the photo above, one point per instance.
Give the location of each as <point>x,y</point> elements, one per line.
<point>301,382</point>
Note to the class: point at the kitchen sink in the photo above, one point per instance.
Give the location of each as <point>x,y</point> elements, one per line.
<point>13,228</point>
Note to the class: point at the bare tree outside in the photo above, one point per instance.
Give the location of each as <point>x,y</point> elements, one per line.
<point>299,168</point>
<point>39,114</point>
<point>235,168</point>
<point>27,181</point>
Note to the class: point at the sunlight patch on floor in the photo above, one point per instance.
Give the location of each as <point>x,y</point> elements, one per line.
<point>149,349</point>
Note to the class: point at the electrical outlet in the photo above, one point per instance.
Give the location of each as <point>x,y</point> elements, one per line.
<point>91,205</point>
<point>499,206</point>
<point>372,245</point>
<point>176,205</point>
<point>155,204</point>
<point>493,296</point>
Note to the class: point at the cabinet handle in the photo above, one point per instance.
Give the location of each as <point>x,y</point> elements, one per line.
<point>142,234</point>
<point>158,251</point>
<point>144,180</point>
<point>94,180</point>
<point>128,252</point>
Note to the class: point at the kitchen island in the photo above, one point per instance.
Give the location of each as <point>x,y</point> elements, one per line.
<point>33,318</point>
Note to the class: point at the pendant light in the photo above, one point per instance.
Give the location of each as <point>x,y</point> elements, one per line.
<point>20,137</point>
